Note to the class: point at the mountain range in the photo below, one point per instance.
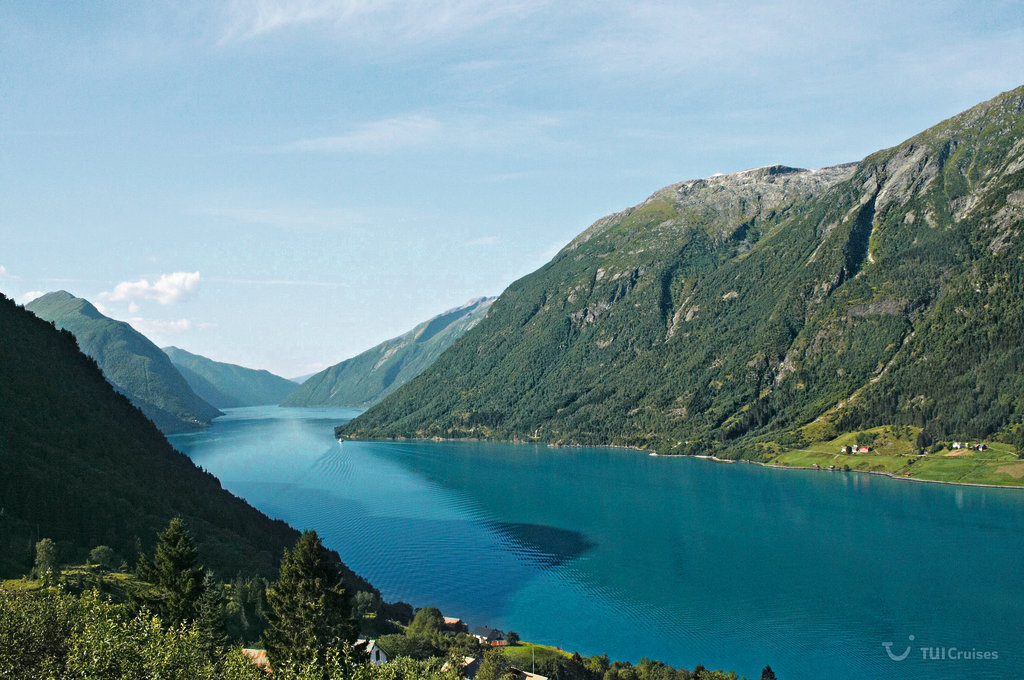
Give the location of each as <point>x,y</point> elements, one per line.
<point>130,361</point>
<point>81,465</point>
<point>227,385</point>
<point>369,377</point>
<point>725,314</point>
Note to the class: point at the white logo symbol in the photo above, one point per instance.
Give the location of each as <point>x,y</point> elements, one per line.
<point>897,657</point>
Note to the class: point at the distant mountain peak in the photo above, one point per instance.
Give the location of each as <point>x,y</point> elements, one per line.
<point>130,361</point>
<point>371,375</point>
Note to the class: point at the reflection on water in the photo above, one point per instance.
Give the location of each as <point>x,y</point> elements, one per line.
<point>542,545</point>
<point>685,560</point>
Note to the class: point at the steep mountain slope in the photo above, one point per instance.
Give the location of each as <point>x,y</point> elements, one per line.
<point>81,465</point>
<point>133,364</point>
<point>724,312</point>
<point>369,377</point>
<point>227,385</point>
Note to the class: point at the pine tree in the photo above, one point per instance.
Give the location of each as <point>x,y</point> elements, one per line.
<point>210,618</point>
<point>310,609</point>
<point>767,673</point>
<point>176,572</point>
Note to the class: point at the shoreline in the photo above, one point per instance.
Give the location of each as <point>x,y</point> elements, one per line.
<point>714,459</point>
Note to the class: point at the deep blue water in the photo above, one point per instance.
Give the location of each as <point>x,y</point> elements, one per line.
<point>679,559</point>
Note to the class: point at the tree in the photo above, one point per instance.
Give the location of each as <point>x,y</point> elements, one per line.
<point>103,556</point>
<point>767,673</point>
<point>864,439</point>
<point>210,610</point>
<point>427,623</point>
<point>46,565</point>
<point>495,666</point>
<point>924,440</point>
<point>512,638</point>
<point>310,609</point>
<point>176,572</point>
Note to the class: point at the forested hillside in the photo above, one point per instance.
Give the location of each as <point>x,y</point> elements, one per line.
<point>369,377</point>
<point>734,310</point>
<point>133,364</point>
<point>81,465</point>
<point>227,385</point>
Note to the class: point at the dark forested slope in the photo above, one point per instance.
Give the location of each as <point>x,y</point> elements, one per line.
<point>83,466</point>
<point>734,309</point>
<point>133,364</point>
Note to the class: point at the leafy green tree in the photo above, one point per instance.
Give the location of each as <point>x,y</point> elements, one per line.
<point>864,439</point>
<point>103,556</point>
<point>46,566</point>
<point>410,647</point>
<point>512,638</point>
<point>767,673</point>
<point>310,609</point>
<point>176,573</point>
<point>924,440</point>
<point>495,666</point>
<point>427,623</point>
<point>367,603</point>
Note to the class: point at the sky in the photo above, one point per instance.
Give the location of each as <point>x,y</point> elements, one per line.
<point>283,185</point>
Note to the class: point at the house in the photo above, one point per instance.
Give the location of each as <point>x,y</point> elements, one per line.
<point>957,445</point>
<point>863,449</point>
<point>845,449</point>
<point>487,635</point>
<point>471,666</point>
<point>453,626</point>
<point>980,447</point>
<point>375,654</point>
<point>520,674</point>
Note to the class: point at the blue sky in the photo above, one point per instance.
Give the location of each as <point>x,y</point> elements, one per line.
<point>285,184</point>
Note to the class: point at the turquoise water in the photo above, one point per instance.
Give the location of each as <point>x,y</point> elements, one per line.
<point>683,560</point>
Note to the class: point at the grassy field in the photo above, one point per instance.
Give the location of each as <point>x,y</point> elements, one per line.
<point>894,451</point>
<point>521,655</point>
<point>75,579</point>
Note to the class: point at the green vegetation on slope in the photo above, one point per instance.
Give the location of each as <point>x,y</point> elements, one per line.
<point>369,377</point>
<point>724,314</point>
<point>227,385</point>
<point>83,466</point>
<point>133,364</point>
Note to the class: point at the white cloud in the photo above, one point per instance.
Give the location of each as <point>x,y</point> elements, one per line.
<point>133,307</point>
<point>375,137</point>
<point>484,241</point>
<point>4,274</point>
<point>168,289</point>
<point>30,296</point>
<point>169,327</point>
<point>508,129</point>
<point>395,21</point>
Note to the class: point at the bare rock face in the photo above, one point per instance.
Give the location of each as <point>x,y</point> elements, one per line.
<point>725,202</point>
